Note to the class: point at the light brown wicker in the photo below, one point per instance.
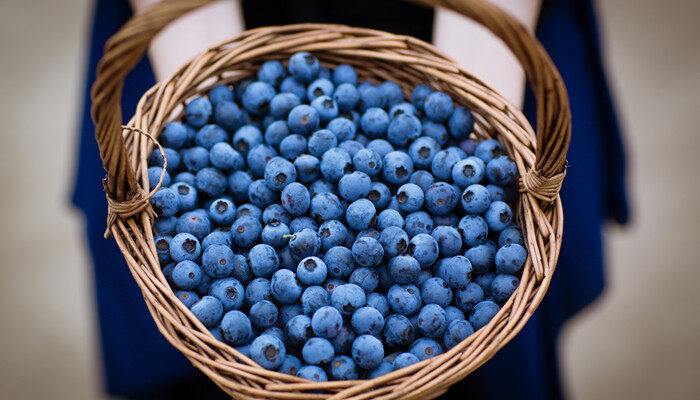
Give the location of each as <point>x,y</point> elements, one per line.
<point>376,55</point>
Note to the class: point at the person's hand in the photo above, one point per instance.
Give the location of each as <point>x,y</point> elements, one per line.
<point>188,36</point>
<point>481,52</point>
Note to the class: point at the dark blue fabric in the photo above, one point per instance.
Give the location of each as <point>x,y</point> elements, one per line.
<point>139,363</point>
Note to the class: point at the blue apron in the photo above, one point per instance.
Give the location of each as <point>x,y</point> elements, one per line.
<point>139,363</point>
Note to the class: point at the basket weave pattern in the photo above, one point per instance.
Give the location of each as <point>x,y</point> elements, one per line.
<point>376,56</point>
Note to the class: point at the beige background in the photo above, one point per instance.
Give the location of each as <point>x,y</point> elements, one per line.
<point>640,340</point>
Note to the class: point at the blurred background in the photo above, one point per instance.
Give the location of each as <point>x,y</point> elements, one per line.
<point>641,339</point>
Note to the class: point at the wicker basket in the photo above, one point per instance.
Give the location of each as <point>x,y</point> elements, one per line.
<point>376,55</point>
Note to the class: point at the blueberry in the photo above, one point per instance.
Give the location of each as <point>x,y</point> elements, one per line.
<point>443,163</point>
<point>468,171</point>
<point>204,287</point>
<point>217,237</point>
<point>276,213</point>
<point>245,231</point>
<point>403,269</point>
<point>307,167</point>
<point>295,199</point>
<point>476,199</point>
<point>381,146</point>
<point>366,278</point>
<point>312,271</point>
<point>230,293</point>
<point>168,272</point>
<point>185,246</point>
<point>458,271</point>
<point>208,311</point>
<point>188,298</point>
<point>449,240</point>
<point>423,248</point>
<point>389,218</point>
<point>318,351</point>
<point>360,213</point>
<point>367,252</point>
<point>367,351</point>
<point>502,287</point>
<point>184,177</point>
<point>354,185</point>
<point>404,360</point>
<point>247,137</point>
<point>209,135</point>
<point>313,298</point>
<point>397,168</point>
<point>263,260</point>
<point>238,183</point>
<point>222,211</point>
<point>258,157</point>
<point>473,229</point>
<point>335,163</point>
<point>482,313</point>
<point>432,321</point>
<point>394,240</point>
<point>370,97</point>
<point>292,146</point>
<point>321,141</point>
<point>343,368</point>
<point>217,260</point>
<point>347,298</point>
<point>187,275</point>
<point>313,373</point>
<point>249,210</point>
<point>392,93</point>
<point>291,365</point>
<point>404,299</point>
<point>322,186</point>
<point>375,122</point>
<point>260,194</point>
<point>436,132</point>
<point>482,258</point>
<point>174,135</point>
<point>423,150</point>
<point>240,87</point>
<point>236,328</point>
<point>453,314</point>
<point>418,222</point>
<point>198,112</point>
<point>343,128</point>
<point>419,94</point>
<point>268,351</point>
<point>498,216</point>
<point>367,161</point>
<point>346,96</point>
<point>510,259</point>
<point>263,314</point>
<point>211,182</point>
<point>367,320</point>
<point>300,223</point>
<point>326,322</point>
<point>287,261</point>
<point>173,157</point>
<point>289,311</point>
<point>291,85</point>
<point>319,88</point>
<point>368,233</point>
<point>219,94</point>
<point>511,235</point>
<point>404,129</point>
<point>425,348</point>
<point>342,342</point>
<point>402,108</point>
<point>257,96</point>
<point>379,194</point>
<point>460,123</point>
<point>303,119</point>
<point>163,248</point>
<point>410,197</point>
<point>165,202</point>
<point>436,291</point>
<point>438,106</point>
<point>272,72</point>
<point>282,104</point>
<point>304,243</point>
<point>488,150</point>
<point>457,331</point>
<point>484,281</point>
<point>332,233</point>
<point>228,115</point>
<point>344,73</point>
<point>225,158</point>
<point>298,330</point>
<point>326,107</point>
<point>339,262</point>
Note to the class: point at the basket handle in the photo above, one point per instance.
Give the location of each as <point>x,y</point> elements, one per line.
<point>125,48</point>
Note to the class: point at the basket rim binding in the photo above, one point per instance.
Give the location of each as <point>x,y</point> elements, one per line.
<point>540,157</point>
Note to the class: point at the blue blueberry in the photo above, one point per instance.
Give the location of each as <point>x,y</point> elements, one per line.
<point>268,351</point>
<point>389,218</point>
<point>276,213</point>
<point>188,298</point>
<point>285,286</point>
<point>293,146</point>
<point>228,115</point>
<point>419,94</point>
<point>282,104</point>
<point>346,96</point>
<point>313,298</point>
<point>343,368</point>
<point>482,258</point>
<point>240,86</point>
<point>484,281</point>
<point>291,365</point>
<point>375,122</point>
<point>326,322</point>
<point>298,330</point>
<point>367,351</point>
<point>360,214</point>
<point>303,119</point>
<point>339,262</point>
<point>249,210</point>
<point>195,222</point>
<point>370,97</point>
<point>187,275</point>
<point>418,222</point>
<point>279,173</point>
<point>457,331</point>
<point>423,150</point>
<point>332,233</point>
<point>453,314</point>
<point>380,195</point>
<point>347,298</point>
<point>230,293</point>
<point>432,321</point>
<point>403,269</point>
<point>502,287</point>
<point>410,197</point>
<point>289,311</point>
<point>275,133</point>
<point>258,157</point>
<point>501,170</point>
<point>457,271</point>
<point>185,246</point>
<point>238,183</point>
<point>443,163</point>
<point>435,131</point>
<point>236,328</point>
<point>163,248</point>
<point>203,287</point>
<point>344,73</point>
<point>217,260</point>
<point>295,199</point>
<point>319,88</point>
<point>225,158</point>
<point>423,248</point>
<point>404,299</point>
<point>209,135</point>
<point>367,252</point>
<point>263,260</point>
<point>469,171</point>
<point>263,314</point>
<point>165,202</point>
<point>404,360</point>
<point>423,179</point>
<point>366,278</point>
<point>219,94</point>
<point>318,351</point>
<point>511,235</point>
<point>174,135</point>
<point>313,373</point>
<point>498,216</point>
<point>335,163</point>
<point>403,129</point>
<point>260,194</point>
<point>257,96</point>
<point>381,146</point>
<point>460,123</point>
<point>402,108</point>
<point>198,112</point>
<point>272,72</point>
<point>300,223</point>
<point>475,199</point>
<point>367,321</point>
<point>449,240</point>
<point>425,348</point>
<point>184,177</point>
<point>173,157</point>
<point>473,229</point>
<point>379,302</point>
<point>397,168</point>
<point>217,237</point>
<point>488,150</point>
<point>304,243</point>
<point>208,311</point>
<point>368,162</point>
<point>438,106</point>
<point>307,167</point>
<point>312,271</point>
<point>423,276</point>
<point>392,93</point>
<point>322,186</point>
<point>291,85</point>
<point>222,211</point>
<point>436,291</point>
<point>482,313</point>
<point>246,137</point>
<point>211,182</point>
<point>304,67</point>
<point>510,259</point>
<point>245,231</point>
<point>326,107</point>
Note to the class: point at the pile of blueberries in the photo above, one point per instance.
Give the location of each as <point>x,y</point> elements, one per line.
<point>328,228</point>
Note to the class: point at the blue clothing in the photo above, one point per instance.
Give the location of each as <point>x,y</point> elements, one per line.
<point>138,361</point>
